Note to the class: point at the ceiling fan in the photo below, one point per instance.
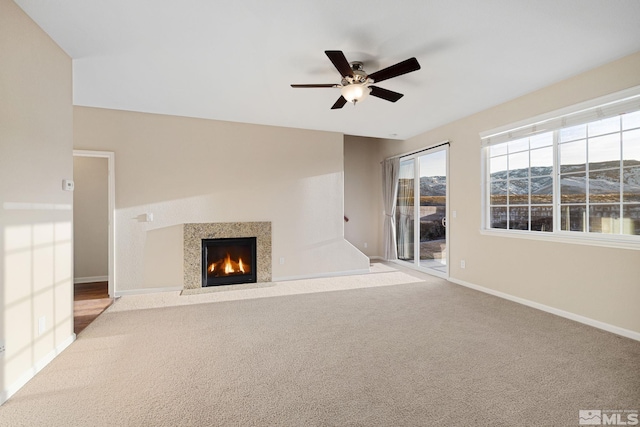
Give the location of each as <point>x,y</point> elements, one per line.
<point>356,84</point>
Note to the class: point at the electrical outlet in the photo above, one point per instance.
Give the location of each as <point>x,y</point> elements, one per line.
<point>463,264</point>
<point>281,260</point>
<point>2,348</point>
<point>42,324</point>
<point>366,245</point>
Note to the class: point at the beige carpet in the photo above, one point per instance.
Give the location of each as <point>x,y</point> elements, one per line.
<point>418,353</point>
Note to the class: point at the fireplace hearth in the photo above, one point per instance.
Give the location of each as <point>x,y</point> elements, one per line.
<point>228,261</point>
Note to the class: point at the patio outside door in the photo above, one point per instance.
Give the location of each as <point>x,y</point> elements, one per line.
<point>422,195</point>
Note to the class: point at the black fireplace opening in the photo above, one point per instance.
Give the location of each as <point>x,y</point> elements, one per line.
<point>229,261</point>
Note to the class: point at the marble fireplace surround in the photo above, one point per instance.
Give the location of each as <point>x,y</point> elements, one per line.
<point>194,233</point>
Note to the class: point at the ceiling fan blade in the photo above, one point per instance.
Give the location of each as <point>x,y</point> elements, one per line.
<point>339,103</point>
<point>314,85</point>
<point>386,94</point>
<point>396,70</point>
<point>340,62</point>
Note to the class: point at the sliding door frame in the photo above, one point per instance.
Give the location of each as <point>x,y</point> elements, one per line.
<point>415,156</point>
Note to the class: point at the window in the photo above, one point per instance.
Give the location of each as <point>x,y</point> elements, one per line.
<point>521,184</point>
<point>577,174</point>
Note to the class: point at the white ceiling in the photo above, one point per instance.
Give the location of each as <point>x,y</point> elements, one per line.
<point>234,60</point>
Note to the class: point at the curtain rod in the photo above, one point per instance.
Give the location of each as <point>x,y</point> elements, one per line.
<point>418,151</point>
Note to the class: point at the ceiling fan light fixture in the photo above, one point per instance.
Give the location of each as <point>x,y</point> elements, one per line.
<point>355,92</point>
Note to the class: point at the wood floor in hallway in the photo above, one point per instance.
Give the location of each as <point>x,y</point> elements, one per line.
<point>89,301</point>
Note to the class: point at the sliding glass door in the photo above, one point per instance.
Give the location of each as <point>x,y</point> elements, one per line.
<point>421,211</point>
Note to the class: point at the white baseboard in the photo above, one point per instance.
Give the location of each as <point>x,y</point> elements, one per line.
<point>37,367</point>
<point>566,314</point>
<point>320,275</point>
<point>90,279</point>
<point>148,291</point>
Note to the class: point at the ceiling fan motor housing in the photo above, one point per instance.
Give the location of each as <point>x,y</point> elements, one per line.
<point>358,77</point>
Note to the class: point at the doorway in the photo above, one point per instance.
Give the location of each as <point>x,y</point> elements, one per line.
<point>421,211</point>
<point>107,159</point>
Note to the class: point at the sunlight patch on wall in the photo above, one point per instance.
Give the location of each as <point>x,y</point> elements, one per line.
<point>38,298</point>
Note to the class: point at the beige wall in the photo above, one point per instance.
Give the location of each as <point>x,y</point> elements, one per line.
<point>602,284</point>
<point>90,219</point>
<point>185,170</point>
<point>361,204</point>
<point>35,213</point>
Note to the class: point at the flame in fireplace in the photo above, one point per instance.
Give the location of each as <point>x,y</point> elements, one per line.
<point>227,266</point>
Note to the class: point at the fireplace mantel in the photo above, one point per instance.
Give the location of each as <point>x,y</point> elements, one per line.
<point>194,233</point>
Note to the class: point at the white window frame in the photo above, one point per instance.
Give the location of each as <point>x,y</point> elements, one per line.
<point>551,121</point>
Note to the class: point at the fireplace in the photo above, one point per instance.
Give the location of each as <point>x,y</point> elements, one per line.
<point>194,233</point>
<point>229,261</point>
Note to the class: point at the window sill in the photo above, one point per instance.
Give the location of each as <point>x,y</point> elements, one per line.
<point>617,242</point>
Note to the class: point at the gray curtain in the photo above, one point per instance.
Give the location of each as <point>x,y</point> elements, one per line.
<point>390,173</point>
